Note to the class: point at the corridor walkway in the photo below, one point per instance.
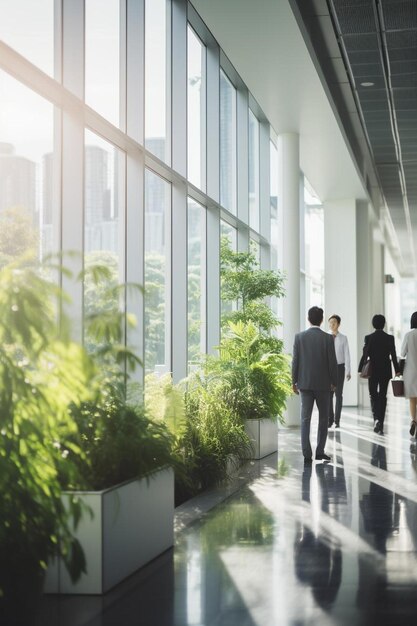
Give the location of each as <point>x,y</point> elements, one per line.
<point>334,543</point>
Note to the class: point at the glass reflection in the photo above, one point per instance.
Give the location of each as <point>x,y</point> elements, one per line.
<point>244,522</point>
<point>213,582</point>
<point>318,558</point>
<point>380,507</point>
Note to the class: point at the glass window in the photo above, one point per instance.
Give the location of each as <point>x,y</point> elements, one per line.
<point>253,171</point>
<point>104,210</point>
<point>255,249</point>
<point>313,248</point>
<point>196,237</point>
<point>273,203</point>
<point>156,85</point>
<point>102,57</point>
<point>196,110</point>
<point>157,274</point>
<point>29,174</point>
<point>227,144</point>
<point>228,233</point>
<point>28,27</point>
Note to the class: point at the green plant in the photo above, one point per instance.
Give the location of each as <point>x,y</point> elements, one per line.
<point>215,437</point>
<point>41,373</point>
<point>118,440</point>
<point>243,282</point>
<point>255,371</point>
<point>255,375</point>
<point>208,439</point>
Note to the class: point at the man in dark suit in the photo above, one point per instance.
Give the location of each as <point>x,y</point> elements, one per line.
<point>379,347</point>
<point>314,376</point>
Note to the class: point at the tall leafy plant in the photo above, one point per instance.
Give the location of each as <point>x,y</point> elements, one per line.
<point>251,358</point>
<point>41,373</point>
<point>214,440</point>
<point>119,439</point>
<point>244,283</point>
<point>255,375</point>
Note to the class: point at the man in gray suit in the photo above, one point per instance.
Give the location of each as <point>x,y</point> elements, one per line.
<point>314,376</point>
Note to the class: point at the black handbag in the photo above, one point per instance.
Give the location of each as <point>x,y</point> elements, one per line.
<point>397,387</point>
<point>366,371</point>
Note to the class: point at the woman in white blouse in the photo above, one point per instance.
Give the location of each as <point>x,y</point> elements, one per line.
<point>409,352</point>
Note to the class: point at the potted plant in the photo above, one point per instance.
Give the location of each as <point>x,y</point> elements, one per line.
<point>41,373</point>
<point>124,475</point>
<point>209,439</point>
<point>125,478</point>
<point>251,356</point>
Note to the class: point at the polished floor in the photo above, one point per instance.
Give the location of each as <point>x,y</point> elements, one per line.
<point>332,543</point>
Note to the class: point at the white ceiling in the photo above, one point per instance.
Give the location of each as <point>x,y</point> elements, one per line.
<point>263,42</point>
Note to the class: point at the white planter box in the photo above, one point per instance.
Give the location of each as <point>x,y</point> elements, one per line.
<point>132,524</point>
<point>263,435</point>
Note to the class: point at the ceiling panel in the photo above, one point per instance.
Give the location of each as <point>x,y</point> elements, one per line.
<point>378,42</point>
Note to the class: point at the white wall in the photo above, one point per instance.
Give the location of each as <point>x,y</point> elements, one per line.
<point>340,279</point>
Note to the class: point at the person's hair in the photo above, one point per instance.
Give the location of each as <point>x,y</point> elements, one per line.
<point>335,317</point>
<point>315,315</point>
<point>378,321</point>
<point>413,320</point>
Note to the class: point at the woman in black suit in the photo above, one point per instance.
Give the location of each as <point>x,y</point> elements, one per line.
<point>380,348</point>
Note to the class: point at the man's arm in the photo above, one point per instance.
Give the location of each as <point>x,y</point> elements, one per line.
<point>347,359</point>
<point>361,362</point>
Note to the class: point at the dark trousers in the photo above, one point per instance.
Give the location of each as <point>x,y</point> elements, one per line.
<point>334,415</point>
<point>378,386</point>
<point>307,402</point>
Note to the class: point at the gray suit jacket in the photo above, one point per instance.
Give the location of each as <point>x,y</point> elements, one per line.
<point>314,364</point>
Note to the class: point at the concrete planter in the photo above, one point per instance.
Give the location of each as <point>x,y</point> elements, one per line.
<point>263,435</point>
<point>132,524</point>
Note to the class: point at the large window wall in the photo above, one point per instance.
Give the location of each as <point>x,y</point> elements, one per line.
<point>104,216</point>
<point>312,250</point>
<point>157,273</point>
<point>102,58</point>
<point>29,172</point>
<point>127,135</point>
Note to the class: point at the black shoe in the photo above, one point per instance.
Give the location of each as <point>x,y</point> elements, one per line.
<point>377,427</point>
<point>308,460</point>
<point>323,457</point>
<point>412,428</point>
<point>330,424</point>
<point>337,425</point>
